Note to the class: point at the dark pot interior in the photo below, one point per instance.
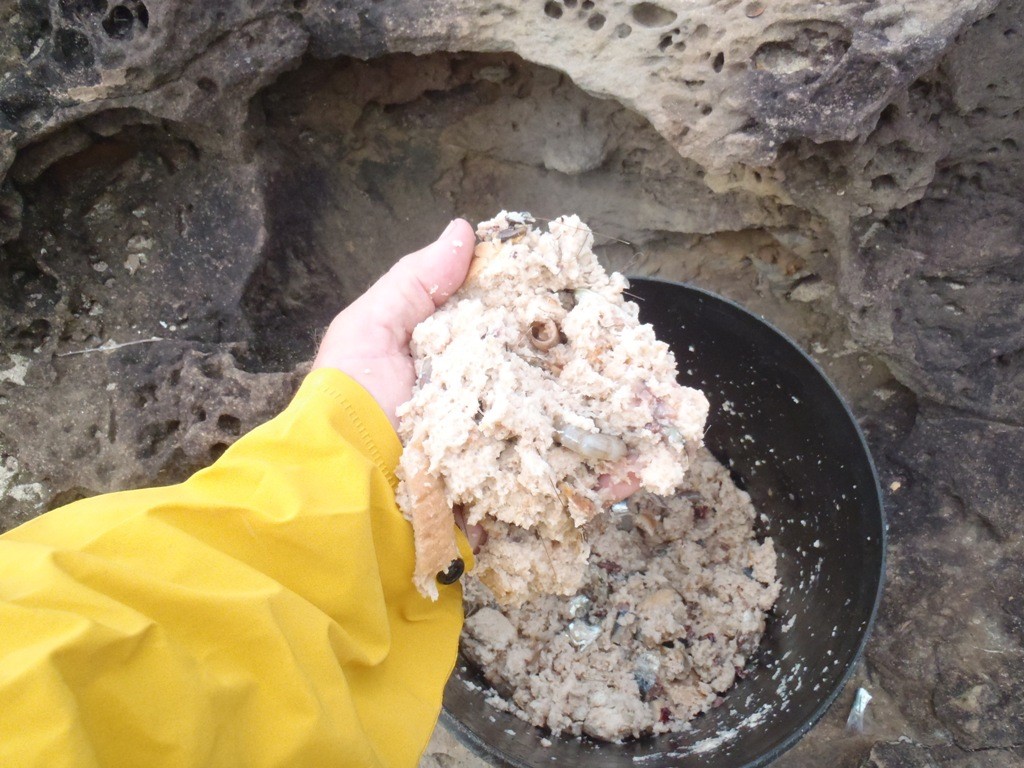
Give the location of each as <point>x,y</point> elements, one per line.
<point>793,444</point>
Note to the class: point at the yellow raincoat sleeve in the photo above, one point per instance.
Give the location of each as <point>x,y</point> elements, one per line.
<point>261,613</point>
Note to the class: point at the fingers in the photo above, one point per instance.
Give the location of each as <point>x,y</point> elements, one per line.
<point>475,534</point>
<point>614,491</point>
<point>477,537</point>
<point>441,267</point>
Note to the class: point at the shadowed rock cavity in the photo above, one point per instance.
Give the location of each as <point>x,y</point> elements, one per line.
<point>364,161</point>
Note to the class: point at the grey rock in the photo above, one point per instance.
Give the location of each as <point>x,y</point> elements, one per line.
<point>948,319</point>
<point>936,287</point>
<point>910,755</point>
<point>950,634</point>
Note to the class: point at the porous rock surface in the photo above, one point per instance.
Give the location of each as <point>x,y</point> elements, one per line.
<point>213,180</point>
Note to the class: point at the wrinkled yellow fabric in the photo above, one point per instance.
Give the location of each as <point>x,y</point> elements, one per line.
<point>261,613</point>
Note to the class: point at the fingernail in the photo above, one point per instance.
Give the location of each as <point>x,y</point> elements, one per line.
<point>448,229</point>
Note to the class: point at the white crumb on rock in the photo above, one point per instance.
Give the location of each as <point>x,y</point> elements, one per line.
<point>508,423</point>
<point>17,370</point>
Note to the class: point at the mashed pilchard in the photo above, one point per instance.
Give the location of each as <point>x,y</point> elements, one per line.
<point>672,605</point>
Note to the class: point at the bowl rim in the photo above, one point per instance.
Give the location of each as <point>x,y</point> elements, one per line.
<point>480,749</point>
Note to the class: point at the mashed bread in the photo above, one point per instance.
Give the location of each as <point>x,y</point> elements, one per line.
<point>537,387</point>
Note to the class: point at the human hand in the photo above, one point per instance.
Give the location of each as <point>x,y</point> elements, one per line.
<point>369,339</point>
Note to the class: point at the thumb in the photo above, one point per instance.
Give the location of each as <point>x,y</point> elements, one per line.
<point>422,281</point>
<point>380,322</point>
<point>444,263</point>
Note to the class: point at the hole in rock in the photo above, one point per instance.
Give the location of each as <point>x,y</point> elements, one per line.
<point>1007,359</point>
<point>70,496</point>
<point>596,21</point>
<point>883,183</point>
<point>889,115</point>
<point>30,336</point>
<point>359,163</point>
<point>652,15</point>
<point>14,109</point>
<point>815,46</point>
<point>72,50</point>
<point>152,437</point>
<point>230,424</point>
<point>553,9</point>
<point>77,9</point>
<point>119,22</point>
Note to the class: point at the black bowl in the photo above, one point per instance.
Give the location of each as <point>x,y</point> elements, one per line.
<point>792,443</point>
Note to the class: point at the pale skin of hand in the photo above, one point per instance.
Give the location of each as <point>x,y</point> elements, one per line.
<point>369,340</point>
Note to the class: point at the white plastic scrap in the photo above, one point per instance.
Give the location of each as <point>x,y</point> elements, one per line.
<point>580,631</point>
<point>855,722</point>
